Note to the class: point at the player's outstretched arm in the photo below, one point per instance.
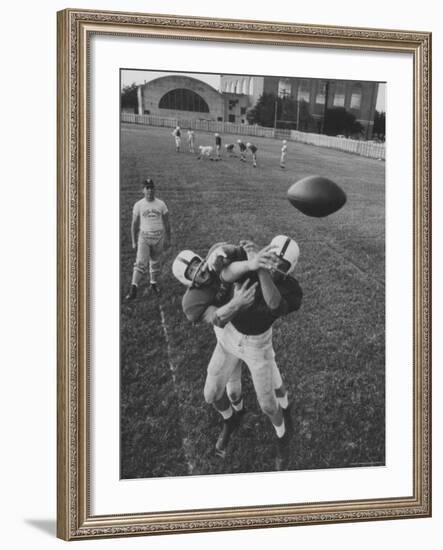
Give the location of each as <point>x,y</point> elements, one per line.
<point>256,259</point>
<point>235,271</point>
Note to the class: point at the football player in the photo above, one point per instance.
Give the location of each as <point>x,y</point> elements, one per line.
<point>244,333</point>
<point>230,149</point>
<point>253,148</point>
<point>242,148</point>
<point>205,151</point>
<point>284,150</point>
<point>191,140</point>
<point>177,133</point>
<point>218,143</point>
<point>205,288</point>
<point>150,217</point>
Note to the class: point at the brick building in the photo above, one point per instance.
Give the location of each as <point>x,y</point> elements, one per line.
<point>357,97</point>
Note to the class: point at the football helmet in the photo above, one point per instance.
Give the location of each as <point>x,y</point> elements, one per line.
<point>287,251</point>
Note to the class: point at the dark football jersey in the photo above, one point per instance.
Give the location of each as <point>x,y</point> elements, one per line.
<point>259,317</point>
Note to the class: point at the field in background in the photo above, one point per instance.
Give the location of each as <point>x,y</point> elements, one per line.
<point>251,132</point>
<point>331,352</point>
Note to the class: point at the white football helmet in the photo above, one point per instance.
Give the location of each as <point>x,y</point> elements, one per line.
<point>287,251</point>
<point>181,264</point>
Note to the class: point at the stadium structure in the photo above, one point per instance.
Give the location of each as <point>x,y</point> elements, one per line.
<point>184,96</point>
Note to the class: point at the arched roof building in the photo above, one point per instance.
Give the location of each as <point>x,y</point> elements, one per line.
<point>179,96</point>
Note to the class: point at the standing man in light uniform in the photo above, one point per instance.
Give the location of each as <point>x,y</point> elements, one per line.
<point>177,133</point>
<point>191,140</point>
<point>284,150</point>
<point>151,218</point>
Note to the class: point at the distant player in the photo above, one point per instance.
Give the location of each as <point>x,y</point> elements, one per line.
<point>230,149</point>
<point>191,141</point>
<point>177,133</point>
<point>151,218</point>
<point>218,143</point>
<point>242,148</point>
<point>205,151</point>
<point>253,148</point>
<point>284,150</point>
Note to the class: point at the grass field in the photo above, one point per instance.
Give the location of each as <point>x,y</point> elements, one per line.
<point>331,352</point>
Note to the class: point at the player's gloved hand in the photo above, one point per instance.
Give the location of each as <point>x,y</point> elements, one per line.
<point>244,294</point>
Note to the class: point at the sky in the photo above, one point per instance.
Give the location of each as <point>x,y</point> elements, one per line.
<point>140,77</point>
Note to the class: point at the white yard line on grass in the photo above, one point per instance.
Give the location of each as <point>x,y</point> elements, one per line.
<point>185,442</point>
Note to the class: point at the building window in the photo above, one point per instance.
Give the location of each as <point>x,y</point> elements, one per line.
<point>242,110</point>
<point>219,119</point>
<point>339,95</point>
<point>356,97</point>
<point>320,98</point>
<point>231,118</point>
<point>303,91</point>
<point>251,86</point>
<point>182,99</point>
<point>284,87</point>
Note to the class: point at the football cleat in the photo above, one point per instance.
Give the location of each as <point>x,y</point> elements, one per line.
<point>132,294</point>
<point>155,288</point>
<point>282,454</point>
<point>229,427</point>
<point>289,425</point>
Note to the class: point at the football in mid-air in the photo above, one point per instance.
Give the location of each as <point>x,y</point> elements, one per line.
<point>316,196</point>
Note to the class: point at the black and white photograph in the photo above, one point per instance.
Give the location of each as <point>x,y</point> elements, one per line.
<point>252,273</point>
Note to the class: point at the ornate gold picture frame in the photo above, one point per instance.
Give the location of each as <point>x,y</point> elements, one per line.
<point>75,516</point>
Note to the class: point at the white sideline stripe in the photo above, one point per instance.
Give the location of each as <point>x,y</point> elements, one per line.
<point>172,369</point>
